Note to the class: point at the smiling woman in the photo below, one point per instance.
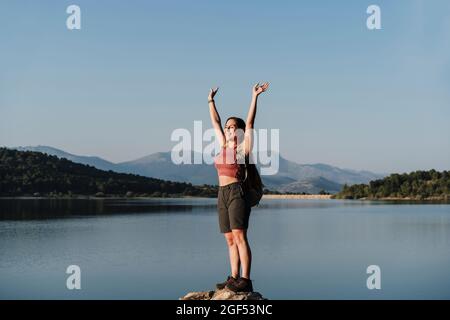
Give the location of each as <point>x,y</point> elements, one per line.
<point>233,201</point>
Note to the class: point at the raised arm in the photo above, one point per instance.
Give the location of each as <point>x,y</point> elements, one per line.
<point>215,118</point>
<point>257,90</point>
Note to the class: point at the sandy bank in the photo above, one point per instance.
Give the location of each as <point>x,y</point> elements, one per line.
<point>297,196</point>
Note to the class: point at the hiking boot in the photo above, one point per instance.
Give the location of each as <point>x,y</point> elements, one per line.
<point>240,285</point>
<point>222,285</point>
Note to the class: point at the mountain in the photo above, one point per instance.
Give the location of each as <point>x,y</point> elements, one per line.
<point>311,185</point>
<point>97,162</point>
<point>290,172</point>
<point>159,165</point>
<point>25,173</point>
<point>291,176</point>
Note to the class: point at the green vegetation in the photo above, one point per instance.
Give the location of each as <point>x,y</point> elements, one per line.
<point>417,185</point>
<point>27,173</point>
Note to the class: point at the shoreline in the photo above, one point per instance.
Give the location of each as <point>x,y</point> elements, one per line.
<point>86,197</point>
<point>297,196</point>
<point>81,197</point>
<point>408,199</point>
<point>265,196</point>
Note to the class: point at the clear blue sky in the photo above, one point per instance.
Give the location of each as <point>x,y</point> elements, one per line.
<point>340,94</point>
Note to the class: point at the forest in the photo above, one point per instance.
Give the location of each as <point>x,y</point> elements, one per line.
<point>27,173</point>
<point>417,185</point>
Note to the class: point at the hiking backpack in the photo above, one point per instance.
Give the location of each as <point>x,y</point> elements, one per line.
<point>253,186</point>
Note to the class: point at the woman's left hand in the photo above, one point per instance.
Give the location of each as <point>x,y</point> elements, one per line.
<point>258,89</point>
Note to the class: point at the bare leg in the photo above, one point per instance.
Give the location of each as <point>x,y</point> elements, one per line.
<point>234,254</point>
<point>245,254</point>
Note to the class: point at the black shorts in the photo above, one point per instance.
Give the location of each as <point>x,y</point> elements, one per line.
<point>232,206</point>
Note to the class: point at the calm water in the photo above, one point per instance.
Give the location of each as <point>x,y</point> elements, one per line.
<point>162,249</point>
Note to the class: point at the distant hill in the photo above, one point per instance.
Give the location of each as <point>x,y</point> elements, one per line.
<point>292,177</point>
<point>160,165</point>
<point>416,185</point>
<point>311,185</point>
<point>36,173</point>
<point>97,162</point>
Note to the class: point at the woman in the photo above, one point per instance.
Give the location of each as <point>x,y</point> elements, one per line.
<point>234,212</point>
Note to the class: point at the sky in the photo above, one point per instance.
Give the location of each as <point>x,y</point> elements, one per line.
<point>339,94</point>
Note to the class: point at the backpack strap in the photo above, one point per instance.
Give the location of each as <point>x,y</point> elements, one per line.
<point>247,157</point>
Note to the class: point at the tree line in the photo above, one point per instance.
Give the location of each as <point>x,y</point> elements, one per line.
<point>28,173</point>
<point>418,185</point>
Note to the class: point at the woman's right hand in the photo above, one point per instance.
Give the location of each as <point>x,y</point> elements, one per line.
<point>212,93</point>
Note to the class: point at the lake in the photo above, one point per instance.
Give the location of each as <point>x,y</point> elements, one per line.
<point>164,248</point>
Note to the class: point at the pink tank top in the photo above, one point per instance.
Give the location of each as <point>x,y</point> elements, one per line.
<point>226,164</point>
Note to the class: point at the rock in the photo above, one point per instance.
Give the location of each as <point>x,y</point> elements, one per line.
<point>202,295</point>
<point>223,294</point>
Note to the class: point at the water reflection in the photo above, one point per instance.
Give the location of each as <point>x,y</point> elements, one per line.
<point>162,248</point>
<point>30,209</point>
